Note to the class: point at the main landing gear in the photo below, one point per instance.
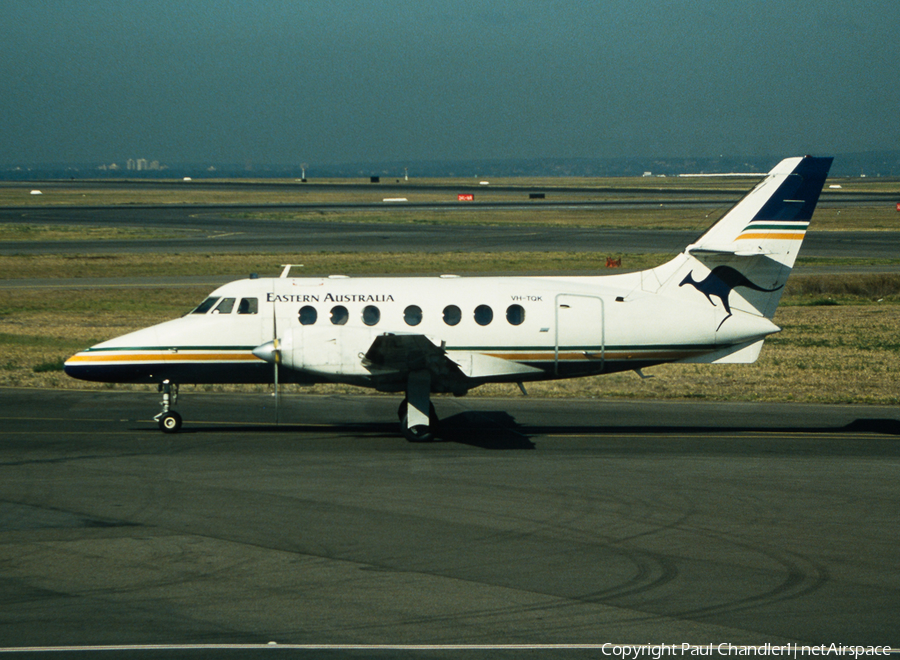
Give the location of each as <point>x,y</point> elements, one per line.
<point>169,420</point>
<point>415,424</point>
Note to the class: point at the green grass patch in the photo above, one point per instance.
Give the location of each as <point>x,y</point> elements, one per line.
<point>99,302</point>
<point>37,341</point>
<point>36,232</point>
<point>847,287</point>
<point>653,217</point>
<point>317,264</point>
<point>843,354</point>
<point>52,365</point>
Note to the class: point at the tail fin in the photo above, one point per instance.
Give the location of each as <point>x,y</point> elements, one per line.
<point>745,258</point>
<point>772,219</point>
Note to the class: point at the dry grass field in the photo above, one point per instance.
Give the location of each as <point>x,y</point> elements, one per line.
<point>840,340</point>
<point>840,344</point>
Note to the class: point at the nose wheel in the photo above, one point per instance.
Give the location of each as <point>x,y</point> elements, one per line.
<point>169,420</point>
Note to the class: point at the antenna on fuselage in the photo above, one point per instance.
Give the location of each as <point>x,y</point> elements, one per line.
<point>287,269</point>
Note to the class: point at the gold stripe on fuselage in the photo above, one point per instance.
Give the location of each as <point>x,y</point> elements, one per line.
<point>164,357</point>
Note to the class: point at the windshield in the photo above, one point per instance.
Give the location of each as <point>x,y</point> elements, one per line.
<point>205,306</point>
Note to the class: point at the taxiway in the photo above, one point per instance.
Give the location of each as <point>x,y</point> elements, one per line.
<point>533,522</point>
<point>234,229</point>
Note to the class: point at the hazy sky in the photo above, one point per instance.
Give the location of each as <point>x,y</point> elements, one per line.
<point>339,81</point>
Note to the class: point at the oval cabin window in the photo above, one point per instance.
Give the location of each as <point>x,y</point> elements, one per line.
<point>339,315</point>
<point>452,315</point>
<point>371,315</point>
<point>515,314</point>
<point>412,315</point>
<point>308,315</point>
<point>483,315</point>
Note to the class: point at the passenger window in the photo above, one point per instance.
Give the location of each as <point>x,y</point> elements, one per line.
<point>225,306</point>
<point>452,315</point>
<point>339,315</point>
<point>371,315</point>
<point>515,314</point>
<point>248,306</point>
<point>412,315</point>
<point>308,315</point>
<point>205,306</point>
<point>483,315</point>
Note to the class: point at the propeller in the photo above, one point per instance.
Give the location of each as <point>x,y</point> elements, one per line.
<point>276,354</point>
<point>271,352</point>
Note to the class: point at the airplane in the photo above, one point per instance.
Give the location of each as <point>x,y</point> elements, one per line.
<point>713,303</point>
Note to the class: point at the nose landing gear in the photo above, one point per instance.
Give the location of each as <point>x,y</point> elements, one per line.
<point>169,420</point>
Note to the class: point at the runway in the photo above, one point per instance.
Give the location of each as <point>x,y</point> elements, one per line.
<point>532,522</point>
<point>223,229</point>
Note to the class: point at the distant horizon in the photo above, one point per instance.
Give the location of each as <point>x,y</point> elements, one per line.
<point>880,163</point>
<point>276,83</point>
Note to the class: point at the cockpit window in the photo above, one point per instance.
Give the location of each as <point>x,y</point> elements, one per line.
<point>225,306</point>
<point>206,305</point>
<point>248,306</point>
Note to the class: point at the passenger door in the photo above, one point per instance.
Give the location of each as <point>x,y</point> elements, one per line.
<point>579,330</point>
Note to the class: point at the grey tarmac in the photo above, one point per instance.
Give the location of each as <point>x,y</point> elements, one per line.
<point>221,229</point>
<point>548,522</point>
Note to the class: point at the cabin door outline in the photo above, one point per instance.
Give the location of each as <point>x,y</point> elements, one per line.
<point>575,315</point>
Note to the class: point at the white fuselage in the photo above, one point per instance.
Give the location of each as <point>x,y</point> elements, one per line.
<point>493,328</point>
<point>714,302</point>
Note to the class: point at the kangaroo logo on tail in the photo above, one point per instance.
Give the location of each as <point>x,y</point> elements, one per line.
<point>719,283</point>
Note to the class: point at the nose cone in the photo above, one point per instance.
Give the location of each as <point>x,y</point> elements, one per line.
<point>268,351</point>
<point>102,367</point>
<point>75,366</point>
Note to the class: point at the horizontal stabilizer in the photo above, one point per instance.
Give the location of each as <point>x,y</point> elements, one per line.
<point>730,250</point>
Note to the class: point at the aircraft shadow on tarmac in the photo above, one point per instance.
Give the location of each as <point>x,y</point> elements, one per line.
<point>485,430</point>
<point>498,430</point>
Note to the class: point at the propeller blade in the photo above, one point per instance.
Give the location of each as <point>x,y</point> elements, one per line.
<point>276,350</point>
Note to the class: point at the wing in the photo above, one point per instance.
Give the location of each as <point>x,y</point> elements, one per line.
<point>391,358</point>
<point>405,353</point>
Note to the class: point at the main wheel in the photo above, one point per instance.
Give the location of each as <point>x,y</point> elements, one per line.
<point>404,407</point>
<point>170,422</point>
<point>419,433</point>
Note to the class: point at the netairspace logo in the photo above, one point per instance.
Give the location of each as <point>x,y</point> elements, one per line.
<point>657,651</point>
